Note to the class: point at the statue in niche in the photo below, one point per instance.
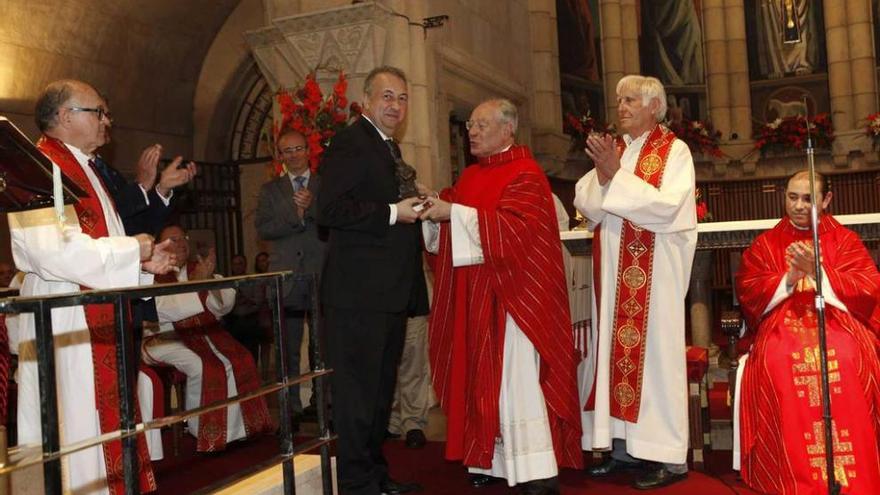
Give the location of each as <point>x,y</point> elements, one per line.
<point>672,41</point>
<point>787,37</point>
<point>577,49</point>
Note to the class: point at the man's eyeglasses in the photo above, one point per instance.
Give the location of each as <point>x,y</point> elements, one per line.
<point>295,149</point>
<point>100,111</point>
<point>175,239</point>
<point>481,125</point>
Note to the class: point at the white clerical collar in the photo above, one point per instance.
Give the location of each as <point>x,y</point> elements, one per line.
<point>385,137</point>
<point>798,227</point>
<point>629,140</point>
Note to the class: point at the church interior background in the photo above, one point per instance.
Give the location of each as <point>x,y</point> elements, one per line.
<point>200,77</point>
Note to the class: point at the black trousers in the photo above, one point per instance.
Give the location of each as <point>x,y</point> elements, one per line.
<point>363,348</point>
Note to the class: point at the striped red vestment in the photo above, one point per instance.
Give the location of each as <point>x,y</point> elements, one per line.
<point>522,275</point>
<point>781,433</point>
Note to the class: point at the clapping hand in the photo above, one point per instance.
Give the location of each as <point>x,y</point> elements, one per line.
<point>174,175</point>
<point>147,166</point>
<point>162,259</point>
<point>205,265</point>
<point>801,260</point>
<point>602,149</point>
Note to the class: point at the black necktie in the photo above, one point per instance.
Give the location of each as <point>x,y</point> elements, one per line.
<point>406,175</point>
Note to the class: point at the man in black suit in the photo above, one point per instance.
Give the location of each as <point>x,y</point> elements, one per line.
<point>286,218</point>
<point>372,278</point>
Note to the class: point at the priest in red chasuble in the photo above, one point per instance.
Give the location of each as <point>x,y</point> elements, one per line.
<point>639,201</point>
<point>780,402</point>
<point>501,345</point>
<point>77,248</point>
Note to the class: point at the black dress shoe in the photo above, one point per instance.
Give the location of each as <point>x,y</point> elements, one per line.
<point>611,466</point>
<point>415,439</point>
<point>391,487</point>
<point>548,486</point>
<point>481,480</point>
<point>657,478</point>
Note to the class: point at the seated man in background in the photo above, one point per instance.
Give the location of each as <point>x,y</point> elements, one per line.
<point>191,339</point>
<point>781,376</point>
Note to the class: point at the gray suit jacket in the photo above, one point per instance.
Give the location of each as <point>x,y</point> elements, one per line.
<point>296,244</point>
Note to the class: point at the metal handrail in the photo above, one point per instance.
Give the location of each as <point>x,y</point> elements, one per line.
<point>52,452</point>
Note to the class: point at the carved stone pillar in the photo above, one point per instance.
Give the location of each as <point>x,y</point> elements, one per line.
<point>738,71</point>
<point>700,302</point>
<point>546,107</point>
<point>717,78</point>
<point>839,75</point>
<point>613,66</point>
<point>861,44</point>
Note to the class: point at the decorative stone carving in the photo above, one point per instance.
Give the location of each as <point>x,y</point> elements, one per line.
<point>350,38</point>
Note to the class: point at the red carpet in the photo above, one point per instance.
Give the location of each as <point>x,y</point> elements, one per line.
<point>190,472</point>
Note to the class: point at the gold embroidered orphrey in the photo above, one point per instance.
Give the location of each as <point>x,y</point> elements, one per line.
<point>634,276</point>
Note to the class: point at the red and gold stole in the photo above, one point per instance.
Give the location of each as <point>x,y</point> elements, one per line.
<point>633,294</point>
<point>101,323</point>
<point>193,331</point>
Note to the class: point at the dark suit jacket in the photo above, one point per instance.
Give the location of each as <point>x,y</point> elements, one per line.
<point>296,242</point>
<point>370,265</point>
<point>137,216</point>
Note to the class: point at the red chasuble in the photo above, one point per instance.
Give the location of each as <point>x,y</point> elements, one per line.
<point>194,332</point>
<point>522,276</point>
<point>100,320</point>
<point>781,402</point>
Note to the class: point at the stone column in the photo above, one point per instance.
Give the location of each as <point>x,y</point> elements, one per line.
<point>613,66</point>
<point>861,50</point>
<point>700,302</point>
<point>717,78</point>
<point>738,71</point>
<point>839,72</point>
<point>418,134</point>
<point>629,21</point>
<point>546,108</point>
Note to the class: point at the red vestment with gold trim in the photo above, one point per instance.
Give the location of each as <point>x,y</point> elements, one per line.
<point>781,432</point>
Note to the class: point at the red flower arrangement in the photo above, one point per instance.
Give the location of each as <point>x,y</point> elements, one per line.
<point>579,127</point>
<point>701,137</point>
<point>872,129</point>
<point>790,133</point>
<point>307,111</point>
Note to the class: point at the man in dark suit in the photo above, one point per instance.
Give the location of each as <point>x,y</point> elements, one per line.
<point>286,217</point>
<point>372,278</point>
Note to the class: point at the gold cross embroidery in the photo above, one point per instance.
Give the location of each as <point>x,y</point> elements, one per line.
<point>806,373</point>
<point>843,456</point>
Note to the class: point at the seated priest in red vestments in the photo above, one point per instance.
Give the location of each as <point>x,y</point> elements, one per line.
<point>781,431</point>
<point>68,249</point>
<point>216,366</point>
<point>501,344</point>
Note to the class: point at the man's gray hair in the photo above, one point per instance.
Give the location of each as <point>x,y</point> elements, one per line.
<point>507,110</point>
<point>647,88</point>
<point>50,101</point>
<point>384,69</point>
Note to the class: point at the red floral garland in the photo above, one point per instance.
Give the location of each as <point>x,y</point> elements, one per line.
<point>790,133</point>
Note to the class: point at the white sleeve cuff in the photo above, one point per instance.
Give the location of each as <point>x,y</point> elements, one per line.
<point>464,223</point>
<point>165,200</point>
<point>393,219</point>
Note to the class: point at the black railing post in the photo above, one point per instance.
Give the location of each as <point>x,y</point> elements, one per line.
<point>319,384</point>
<point>127,378</point>
<point>48,396</point>
<point>285,411</point>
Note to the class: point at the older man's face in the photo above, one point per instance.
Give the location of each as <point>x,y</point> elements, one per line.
<point>387,102</point>
<point>87,119</point>
<point>635,116</point>
<point>487,132</point>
